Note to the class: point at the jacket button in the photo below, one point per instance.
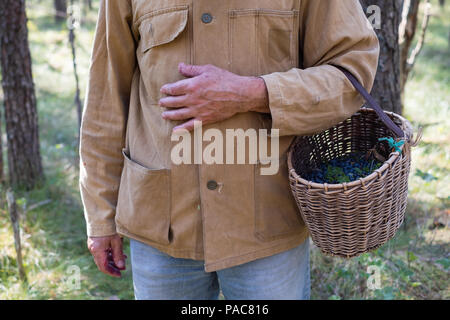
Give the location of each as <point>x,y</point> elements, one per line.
<point>207,18</point>
<point>212,185</point>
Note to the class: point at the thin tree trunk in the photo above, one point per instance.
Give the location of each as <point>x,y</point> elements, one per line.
<point>408,28</point>
<point>407,31</point>
<point>24,159</point>
<point>89,4</point>
<point>2,172</point>
<point>60,10</point>
<point>387,88</point>
<point>78,103</point>
<point>14,215</point>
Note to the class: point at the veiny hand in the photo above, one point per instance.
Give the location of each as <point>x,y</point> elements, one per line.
<point>210,95</point>
<point>108,254</point>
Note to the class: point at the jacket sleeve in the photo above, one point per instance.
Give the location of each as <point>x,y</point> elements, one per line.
<point>103,125</point>
<point>318,96</point>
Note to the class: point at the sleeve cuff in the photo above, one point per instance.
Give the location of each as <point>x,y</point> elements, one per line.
<point>101,230</point>
<point>275,101</point>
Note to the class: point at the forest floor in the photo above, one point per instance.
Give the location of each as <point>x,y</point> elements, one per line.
<point>414,265</point>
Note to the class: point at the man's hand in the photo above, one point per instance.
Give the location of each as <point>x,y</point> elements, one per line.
<point>108,254</point>
<point>210,95</point>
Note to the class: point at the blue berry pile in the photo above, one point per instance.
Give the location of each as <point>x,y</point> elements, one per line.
<point>345,169</point>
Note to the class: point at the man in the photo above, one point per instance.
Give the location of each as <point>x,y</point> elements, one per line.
<point>157,68</point>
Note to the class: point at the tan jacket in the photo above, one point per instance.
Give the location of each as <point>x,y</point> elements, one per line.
<point>128,182</point>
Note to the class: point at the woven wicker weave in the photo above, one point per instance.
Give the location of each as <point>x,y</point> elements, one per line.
<point>351,218</point>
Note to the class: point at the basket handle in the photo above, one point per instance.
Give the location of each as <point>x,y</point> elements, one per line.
<point>373,104</point>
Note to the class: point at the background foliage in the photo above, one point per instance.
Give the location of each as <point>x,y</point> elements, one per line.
<point>414,265</point>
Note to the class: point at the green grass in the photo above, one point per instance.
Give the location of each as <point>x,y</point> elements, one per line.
<point>412,266</point>
<point>54,235</point>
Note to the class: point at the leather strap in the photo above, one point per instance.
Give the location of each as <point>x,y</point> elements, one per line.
<point>373,104</point>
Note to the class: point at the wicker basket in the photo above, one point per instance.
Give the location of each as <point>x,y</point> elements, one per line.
<point>352,218</point>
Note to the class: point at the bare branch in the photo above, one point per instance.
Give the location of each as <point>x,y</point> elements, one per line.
<point>407,32</point>
<point>415,53</point>
<point>12,208</point>
<point>37,205</point>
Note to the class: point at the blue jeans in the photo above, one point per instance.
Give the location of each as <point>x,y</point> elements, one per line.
<point>283,276</point>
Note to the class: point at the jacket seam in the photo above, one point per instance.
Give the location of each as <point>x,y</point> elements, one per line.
<point>235,13</point>
<point>283,244</point>
<point>161,247</point>
<point>159,12</point>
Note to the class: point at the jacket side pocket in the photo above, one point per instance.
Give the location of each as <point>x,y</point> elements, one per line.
<point>143,207</point>
<point>276,213</point>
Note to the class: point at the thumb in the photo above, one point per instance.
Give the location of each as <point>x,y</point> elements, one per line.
<point>117,252</point>
<point>189,70</point>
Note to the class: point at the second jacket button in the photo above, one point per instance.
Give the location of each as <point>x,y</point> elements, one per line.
<point>212,185</point>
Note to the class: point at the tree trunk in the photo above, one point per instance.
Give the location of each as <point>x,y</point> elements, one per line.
<point>14,215</point>
<point>2,173</point>
<point>387,88</point>
<point>24,159</point>
<point>407,32</point>
<point>60,10</point>
<point>89,4</point>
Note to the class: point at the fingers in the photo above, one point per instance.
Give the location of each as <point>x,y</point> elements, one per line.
<point>182,87</point>
<point>101,250</point>
<point>110,265</point>
<point>173,102</point>
<point>190,71</point>
<point>117,252</point>
<point>179,114</point>
<point>102,260</point>
<point>185,86</point>
<point>177,88</point>
<point>189,126</point>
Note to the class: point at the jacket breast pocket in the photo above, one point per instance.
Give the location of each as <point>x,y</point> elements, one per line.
<point>143,206</point>
<point>164,43</point>
<point>263,41</point>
